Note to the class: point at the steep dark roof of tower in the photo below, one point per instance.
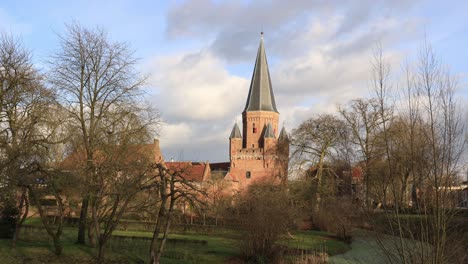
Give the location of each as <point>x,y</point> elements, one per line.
<point>269,131</point>
<point>261,96</point>
<point>235,133</point>
<point>283,135</point>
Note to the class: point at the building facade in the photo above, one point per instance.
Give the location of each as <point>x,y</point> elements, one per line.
<point>261,151</point>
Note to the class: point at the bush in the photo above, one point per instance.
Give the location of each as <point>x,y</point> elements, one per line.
<point>338,216</point>
<point>8,216</point>
<point>264,215</point>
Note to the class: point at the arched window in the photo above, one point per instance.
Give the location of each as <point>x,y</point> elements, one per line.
<point>247,175</point>
<point>254,130</point>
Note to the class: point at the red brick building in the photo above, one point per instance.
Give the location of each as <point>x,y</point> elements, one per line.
<point>259,153</point>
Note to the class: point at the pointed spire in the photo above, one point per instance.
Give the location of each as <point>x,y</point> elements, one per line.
<point>235,133</point>
<point>269,131</point>
<point>261,96</point>
<point>283,136</point>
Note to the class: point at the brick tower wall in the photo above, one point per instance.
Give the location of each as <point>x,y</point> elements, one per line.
<point>257,119</point>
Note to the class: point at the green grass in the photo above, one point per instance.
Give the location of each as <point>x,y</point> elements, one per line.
<point>316,240</point>
<point>190,250</point>
<point>131,246</point>
<point>37,248</point>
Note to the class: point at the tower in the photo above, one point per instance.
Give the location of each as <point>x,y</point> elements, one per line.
<point>256,154</point>
<point>260,108</point>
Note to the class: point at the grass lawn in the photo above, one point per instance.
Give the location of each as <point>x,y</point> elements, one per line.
<point>317,241</point>
<point>132,247</point>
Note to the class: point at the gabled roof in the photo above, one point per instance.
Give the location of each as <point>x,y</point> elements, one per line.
<point>283,136</point>
<point>356,172</point>
<point>269,133</point>
<point>196,171</point>
<point>147,152</point>
<point>235,133</point>
<point>220,166</point>
<point>261,96</point>
<point>230,177</point>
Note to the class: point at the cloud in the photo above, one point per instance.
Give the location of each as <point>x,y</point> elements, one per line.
<point>319,55</point>
<point>232,26</point>
<point>334,71</point>
<point>196,87</point>
<point>178,133</point>
<point>200,101</point>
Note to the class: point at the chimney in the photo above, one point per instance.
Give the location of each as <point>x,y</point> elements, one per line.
<point>157,151</point>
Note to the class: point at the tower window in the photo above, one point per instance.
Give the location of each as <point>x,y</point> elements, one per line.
<point>254,130</point>
<point>247,175</point>
<point>253,145</point>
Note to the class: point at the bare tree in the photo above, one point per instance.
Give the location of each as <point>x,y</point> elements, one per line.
<point>220,196</point>
<point>446,137</point>
<point>124,168</point>
<point>172,186</point>
<point>362,117</point>
<point>433,129</point>
<point>314,140</point>
<point>264,214</point>
<point>24,106</point>
<point>98,86</point>
<point>50,182</point>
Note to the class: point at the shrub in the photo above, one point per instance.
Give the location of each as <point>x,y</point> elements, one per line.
<point>8,216</point>
<point>264,214</point>
<point>338,216</point>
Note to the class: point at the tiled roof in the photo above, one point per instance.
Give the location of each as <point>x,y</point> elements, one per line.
<point>220,166</point>
<point>77,158</point>
<point>230,177</point>
<point>356,172</point>
<point>190,171</point>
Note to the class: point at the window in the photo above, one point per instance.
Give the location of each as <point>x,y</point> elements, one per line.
<point>253,145</point>
<point>247,175</point>
<point>254,129</point>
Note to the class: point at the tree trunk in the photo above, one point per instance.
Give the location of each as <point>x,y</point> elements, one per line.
<point>367,178</point>
<point>91,236</point>
<point>55,237</point>
<point>15,236</point>
<point>157,229</point>
<point>82,221</point>
<point>319,181</point>
<point>57,245</point>
<point>24,203</point>
<point>159,253</point>
<point>100,252</point>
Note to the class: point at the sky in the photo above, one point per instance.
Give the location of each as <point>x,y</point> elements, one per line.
<point>200,54</point>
